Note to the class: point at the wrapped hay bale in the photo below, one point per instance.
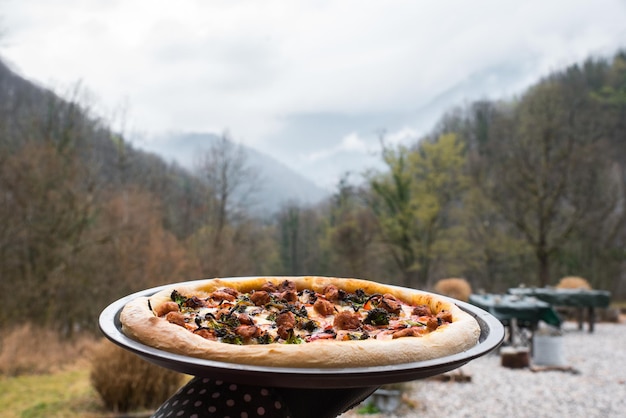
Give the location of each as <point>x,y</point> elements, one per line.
<point>572,282</point>
<point>455,288</point>
<point>569,312</point>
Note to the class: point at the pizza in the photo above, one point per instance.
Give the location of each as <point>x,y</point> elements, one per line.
<point>304,322</point>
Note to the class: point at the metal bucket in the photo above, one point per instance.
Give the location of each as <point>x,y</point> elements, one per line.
<point>548,349</point>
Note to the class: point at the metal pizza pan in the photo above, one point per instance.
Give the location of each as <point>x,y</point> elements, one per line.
<point>491,336</point>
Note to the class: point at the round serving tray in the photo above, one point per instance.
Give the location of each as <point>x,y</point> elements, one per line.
<point>491,336</point>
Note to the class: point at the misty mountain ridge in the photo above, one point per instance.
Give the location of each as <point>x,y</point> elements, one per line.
<point>278,184</point>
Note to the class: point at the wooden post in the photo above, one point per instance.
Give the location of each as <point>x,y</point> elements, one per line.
<point>592,318</point>
<point>581,315</point>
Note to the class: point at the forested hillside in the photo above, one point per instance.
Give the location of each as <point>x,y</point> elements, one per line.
<point>524,190</point>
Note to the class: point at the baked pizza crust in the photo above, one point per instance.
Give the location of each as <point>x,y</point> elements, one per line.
<point>141,324</point>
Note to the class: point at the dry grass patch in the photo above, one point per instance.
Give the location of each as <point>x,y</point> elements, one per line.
<point>125,382</point>
<point>28,349</point>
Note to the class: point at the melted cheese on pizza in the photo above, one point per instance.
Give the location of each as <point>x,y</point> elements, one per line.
<point>282,314</point>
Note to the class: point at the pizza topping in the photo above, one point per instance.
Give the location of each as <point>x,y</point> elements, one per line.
<point>231,291</point>
<point>351,335</point>
<point>444,316</point>
<point>377,316</point>
<point>308,296</point>
<point>293,338</point>
<point>408,332</point>
<point>432,324</point>
<point>422,310</point>
<point>193,302</point>
<point>269,287</point>
<point>245,319</point>
<point>248,331</point>
<point>260,298</point>
<point>286,319</point>
<point>358,299</point>
<point>221,295</point>
<point>280,313</point>
<point>324,307</point>
<point>166,308</point>
<point>176,317</point>
<point>288,285</point>
<point>347,320</point>
<point>177,297</point>
<point>205,333</point>
<point>289,296</point>
<point>331,293</point>
<point>308,325</point>
<point>389,303</point>
<point>325,335</point>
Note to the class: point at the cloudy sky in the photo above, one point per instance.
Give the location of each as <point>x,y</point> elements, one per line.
<point>312,83</point>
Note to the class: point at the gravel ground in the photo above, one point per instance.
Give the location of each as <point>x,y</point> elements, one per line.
<point>595,388</point>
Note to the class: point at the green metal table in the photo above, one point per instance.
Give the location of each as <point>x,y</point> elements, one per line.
<point>575,298</point>
<point>517,311</point>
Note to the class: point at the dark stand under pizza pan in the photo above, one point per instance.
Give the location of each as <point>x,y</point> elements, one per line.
<point>309,392</point>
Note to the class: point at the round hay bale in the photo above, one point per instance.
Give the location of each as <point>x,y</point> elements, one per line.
<point>572,282</point>
<point>455,288</point>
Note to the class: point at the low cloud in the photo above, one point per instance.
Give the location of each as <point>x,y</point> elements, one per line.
<point>351,143</point>
<point>252,67</point>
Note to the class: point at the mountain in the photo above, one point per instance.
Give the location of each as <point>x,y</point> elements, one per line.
<point>278,183</point>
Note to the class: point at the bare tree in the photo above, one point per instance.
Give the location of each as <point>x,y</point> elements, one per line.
<point>231,183</point>
<point>549,169</point>
<point>48,193</point>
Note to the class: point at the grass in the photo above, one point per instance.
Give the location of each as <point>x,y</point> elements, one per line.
<point>48,379</point>
<point>65,393</point>
<point>52,377</point>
